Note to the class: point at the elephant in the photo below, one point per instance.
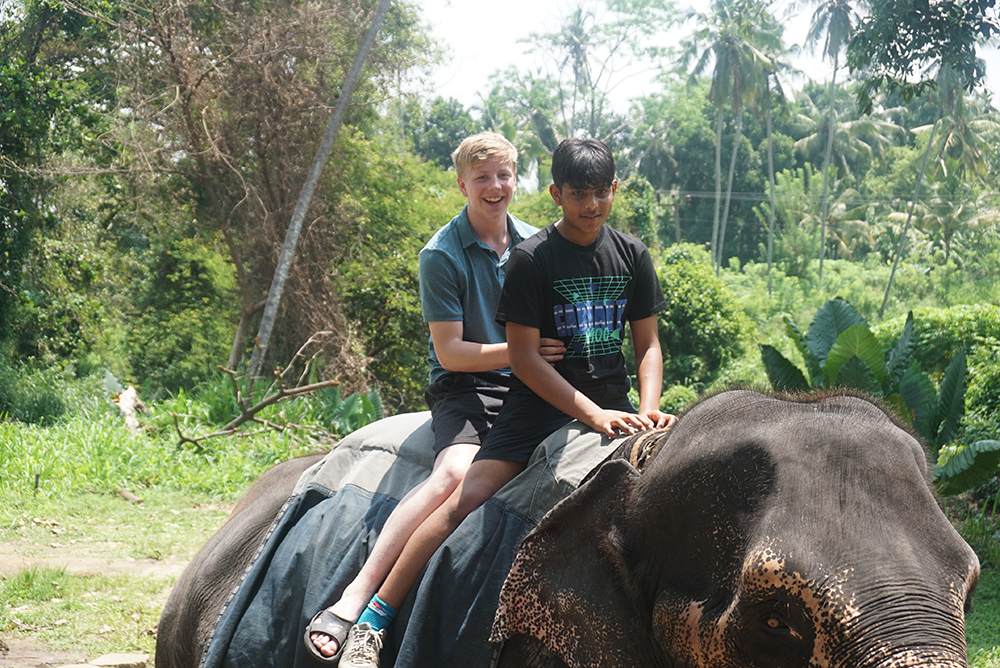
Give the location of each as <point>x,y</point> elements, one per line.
<point>193,607</point>
<point>763,531</point>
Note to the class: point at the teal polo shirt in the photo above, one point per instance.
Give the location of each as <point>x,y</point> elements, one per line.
<point>460,280</point>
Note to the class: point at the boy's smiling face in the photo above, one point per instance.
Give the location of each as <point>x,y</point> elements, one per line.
<point>489,187</point>
<point>584,210</point>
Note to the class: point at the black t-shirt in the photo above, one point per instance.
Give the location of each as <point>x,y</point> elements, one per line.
<point>582,295</point>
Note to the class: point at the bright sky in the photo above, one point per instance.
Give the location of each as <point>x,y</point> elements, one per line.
<point>484,38</point>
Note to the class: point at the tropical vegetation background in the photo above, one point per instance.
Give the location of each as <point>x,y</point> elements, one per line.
<point>806,233</point>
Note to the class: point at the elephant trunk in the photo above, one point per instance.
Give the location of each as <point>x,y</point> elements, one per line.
<point>918,630</point>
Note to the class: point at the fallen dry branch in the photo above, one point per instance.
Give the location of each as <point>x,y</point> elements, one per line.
<point>249,413</point>
<point>277,392</point>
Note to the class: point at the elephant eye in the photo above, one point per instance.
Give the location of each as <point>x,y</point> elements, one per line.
<point>775,623</point>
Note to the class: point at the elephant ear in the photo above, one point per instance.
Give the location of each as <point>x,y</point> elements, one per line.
<point>570,587</point>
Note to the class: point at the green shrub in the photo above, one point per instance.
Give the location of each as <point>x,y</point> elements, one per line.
<point>212,404</point>
<point>182,331</point>
<point>702,328</point>
<point>377,281</point>
<point>536,208</point>
<point>939,332</point>
<point>676,398</point>
<point>30,397</point>
<point>636,210</point>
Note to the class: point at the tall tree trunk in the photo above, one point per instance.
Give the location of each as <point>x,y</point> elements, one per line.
<point>718,187</point>
<point>826,168</point>
<point>770,178</point>
<point>909,217</point>
<point>729,186</point>
<point>246,298</point>
<point>295,226</point>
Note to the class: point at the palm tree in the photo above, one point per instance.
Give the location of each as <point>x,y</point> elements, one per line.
<point>949,88</point>
<point>794,210</point>
<point>588,50</point>
<point>853,143</point>
<point>966,134</point>
<point>768,103</point>
<point>734,37</point>
<point>847,149</point>
<point>835,19</point>
<point>523,108</point>
<point>952,211</point>
<point>848,224</point>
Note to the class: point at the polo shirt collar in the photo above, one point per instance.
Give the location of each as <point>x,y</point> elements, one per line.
<point>468,236</point>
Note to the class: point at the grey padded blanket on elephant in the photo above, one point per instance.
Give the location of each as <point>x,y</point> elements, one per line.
<point>329,526</point>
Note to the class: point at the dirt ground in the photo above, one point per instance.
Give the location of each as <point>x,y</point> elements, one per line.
<point>84,565</point>
<point>25,652</point>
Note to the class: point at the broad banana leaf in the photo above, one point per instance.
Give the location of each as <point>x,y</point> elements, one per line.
<point>921,400</point>
<point>831,320</point>
<point>856,373</point>
<point>856,341</point>
<point>951,404</point>
<point>971,466</point>
<point>899,356</point>
<point>812,364</point>
<point>784,376</point>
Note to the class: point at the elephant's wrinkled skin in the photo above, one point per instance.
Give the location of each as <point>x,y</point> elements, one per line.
<point>763,533</point>
<point>195,602</point>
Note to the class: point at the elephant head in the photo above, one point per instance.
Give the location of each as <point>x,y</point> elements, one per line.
<point>765,532</point>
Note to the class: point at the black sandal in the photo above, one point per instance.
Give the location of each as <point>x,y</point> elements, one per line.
<point>327,623</point>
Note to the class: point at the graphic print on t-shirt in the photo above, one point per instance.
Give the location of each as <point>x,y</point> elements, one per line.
<point>593,316</point>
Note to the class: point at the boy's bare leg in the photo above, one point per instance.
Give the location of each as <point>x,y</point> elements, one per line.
<point>485,478</point>
<point>450,467</point>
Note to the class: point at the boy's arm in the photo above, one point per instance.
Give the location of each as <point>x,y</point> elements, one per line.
<point>532,369</point>
<point>457,355</point>
<point>649,369</point>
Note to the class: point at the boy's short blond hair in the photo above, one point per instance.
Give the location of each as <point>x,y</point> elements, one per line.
<point>479,148</point>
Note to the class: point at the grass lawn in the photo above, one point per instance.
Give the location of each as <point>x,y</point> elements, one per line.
<point>982,625</point>
<point>90,572</point>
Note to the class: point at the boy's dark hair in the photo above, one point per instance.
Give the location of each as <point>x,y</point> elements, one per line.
<point>583,163</point>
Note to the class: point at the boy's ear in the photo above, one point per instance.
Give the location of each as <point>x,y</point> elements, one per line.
<point>461,186</point>
<point>556,194</point>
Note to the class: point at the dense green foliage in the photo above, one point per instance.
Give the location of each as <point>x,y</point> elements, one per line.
<point>154,267</point>
<point>702,329</point>
<point>177,337</point>
<point>89,447</point>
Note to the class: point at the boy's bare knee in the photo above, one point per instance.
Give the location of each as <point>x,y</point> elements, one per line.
<point>454,463</point>
<point>451,474</point>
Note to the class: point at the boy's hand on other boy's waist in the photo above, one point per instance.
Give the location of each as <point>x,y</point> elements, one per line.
<point>551,350</point>
<point>620,423</point>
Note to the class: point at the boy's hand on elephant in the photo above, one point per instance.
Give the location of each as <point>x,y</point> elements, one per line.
<point>551,350</point>
<point>616,423</point>
<point>660,419</point>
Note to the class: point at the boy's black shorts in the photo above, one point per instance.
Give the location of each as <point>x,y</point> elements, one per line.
<point>464,406</point>
<point>526,420</point>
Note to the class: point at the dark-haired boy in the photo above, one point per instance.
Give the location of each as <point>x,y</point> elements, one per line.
<point>576,280</point>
